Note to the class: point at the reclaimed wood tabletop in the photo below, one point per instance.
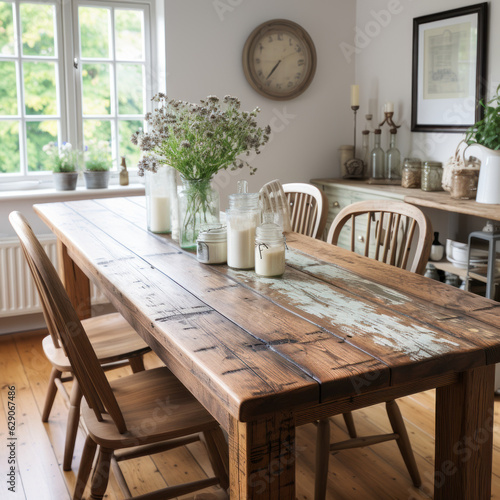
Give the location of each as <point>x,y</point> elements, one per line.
<point>337,332</point>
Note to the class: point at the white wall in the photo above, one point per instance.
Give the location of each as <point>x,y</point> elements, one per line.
<point>204,49</point>
<point>384,73</point>
<point>384,66</point>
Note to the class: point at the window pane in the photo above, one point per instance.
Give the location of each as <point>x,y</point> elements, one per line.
<point>129,36</point>
<point>130,89</point>
<point>126,148</point>
<point>9,152</point>
<point>7,45</point>
<point>37,25</point>
<point>96,89</point>
<point>39,134</point>
<point>95,132</point>
<point>94,31</point>
<point>40,94</point>
<point>8,88</point>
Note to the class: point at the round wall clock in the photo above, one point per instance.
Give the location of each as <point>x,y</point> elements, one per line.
<point>279,59</point>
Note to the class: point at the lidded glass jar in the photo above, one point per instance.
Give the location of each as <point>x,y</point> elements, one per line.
<point>242,218</point>
<point>269,250</point>
<point>211,244</point>
<point>464,184</point>
<point>412,173</point>
<point>160,187</point>
<point>432,176</point>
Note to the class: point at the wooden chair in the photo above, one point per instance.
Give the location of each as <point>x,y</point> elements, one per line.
<point>308,208</point>
<point>129,417</point>
<point>116,344</point>
<point>393,226</point>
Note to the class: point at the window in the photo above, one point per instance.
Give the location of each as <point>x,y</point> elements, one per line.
<point>71,71</point>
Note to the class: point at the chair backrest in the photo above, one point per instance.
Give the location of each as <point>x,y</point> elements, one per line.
<point>308,208</point>
<point>60,313</point>
<point>386,231</point>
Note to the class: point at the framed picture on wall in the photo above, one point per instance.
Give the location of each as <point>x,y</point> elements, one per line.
<point>449,69</point>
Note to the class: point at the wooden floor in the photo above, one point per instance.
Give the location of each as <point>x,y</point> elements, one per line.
<point>367,473</point>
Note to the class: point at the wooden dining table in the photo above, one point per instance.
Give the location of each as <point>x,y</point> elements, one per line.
<point>336,332</point>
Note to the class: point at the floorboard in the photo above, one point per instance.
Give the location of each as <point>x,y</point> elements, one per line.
<point>363,474</point>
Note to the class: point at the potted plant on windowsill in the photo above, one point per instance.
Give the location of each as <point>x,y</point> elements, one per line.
<point>97,165</point>
<point>485,134</point>
<point>66,161</point>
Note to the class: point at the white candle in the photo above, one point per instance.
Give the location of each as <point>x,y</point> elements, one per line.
<point>159,221</point>
<point>389,107</point>
<point>354,95</point>
<point>270,261</point>
<point>240,247</point>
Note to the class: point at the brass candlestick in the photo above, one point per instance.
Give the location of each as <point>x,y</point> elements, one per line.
<point>388,119</point>
<point>354,167</point>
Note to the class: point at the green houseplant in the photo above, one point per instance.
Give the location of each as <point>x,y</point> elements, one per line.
<point>66,162</point>
<point>97,165</point>
<point>485,134</point>
<point>198,140</point>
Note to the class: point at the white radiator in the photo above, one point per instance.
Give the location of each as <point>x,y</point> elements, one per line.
<point>18,294</point>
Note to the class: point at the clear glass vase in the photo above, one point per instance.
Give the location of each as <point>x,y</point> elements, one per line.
<point>198,204</point>
<point>160,197</point>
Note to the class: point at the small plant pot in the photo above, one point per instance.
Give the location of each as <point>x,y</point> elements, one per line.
<point>96,180</point>
<point>65,181</point>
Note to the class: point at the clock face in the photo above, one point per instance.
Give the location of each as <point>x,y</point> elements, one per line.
<point>279,59</point>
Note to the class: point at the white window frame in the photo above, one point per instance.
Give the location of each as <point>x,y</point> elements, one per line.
<point>21,117</point>
<point>68,85</point>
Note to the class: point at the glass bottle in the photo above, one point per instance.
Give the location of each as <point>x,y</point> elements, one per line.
<point>123,173</point>
<point>198,205</point>
<point>159,199</point>
<point>377,158</point>
<point>365,149</point>
<point>242,218</point>
<point>269,250</point>
<point>393,159</point>
<point>437,249</point>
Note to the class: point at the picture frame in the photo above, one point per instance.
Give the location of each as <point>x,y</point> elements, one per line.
<point>449,69</point>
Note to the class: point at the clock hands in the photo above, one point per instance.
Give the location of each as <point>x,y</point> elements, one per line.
<point>272,71</point>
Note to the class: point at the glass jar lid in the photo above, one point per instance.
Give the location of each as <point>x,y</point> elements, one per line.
<point>269,232</point>
<point>244,201</point>
<point>212,233</point>
<point>433,164</point>
<point>412,162</point>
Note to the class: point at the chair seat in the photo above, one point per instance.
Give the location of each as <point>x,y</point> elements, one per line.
<point>112,338</point>
<point>155,406</point>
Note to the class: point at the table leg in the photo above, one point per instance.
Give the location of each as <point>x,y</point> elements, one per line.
<point>75,281</point>
<point>262,458</point>
<point>464,437</point>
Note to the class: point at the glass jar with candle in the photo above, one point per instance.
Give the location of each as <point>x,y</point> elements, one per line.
<point>242,218</point>
<point>432,175</point>
<point>159,186</point>
<point>212,244</point>
<point>269,250</point>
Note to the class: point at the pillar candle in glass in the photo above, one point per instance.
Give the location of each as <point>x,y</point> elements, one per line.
<point>269,250</point>
<point>242,218</point>
<point>158,199</point>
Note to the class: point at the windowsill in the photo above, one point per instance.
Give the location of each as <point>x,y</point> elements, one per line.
<point>80,192</point>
